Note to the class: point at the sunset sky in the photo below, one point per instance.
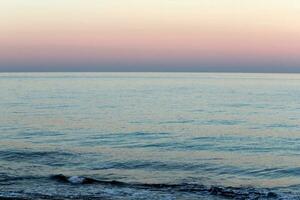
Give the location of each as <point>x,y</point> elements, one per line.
<point>150,35</point>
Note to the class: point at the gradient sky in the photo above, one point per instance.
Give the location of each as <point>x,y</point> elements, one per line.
<point>150,35</point>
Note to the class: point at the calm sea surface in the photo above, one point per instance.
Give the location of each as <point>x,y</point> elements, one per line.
<point>150,135</point>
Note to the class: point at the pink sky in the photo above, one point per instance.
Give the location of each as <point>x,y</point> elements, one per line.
<point>211,33</point>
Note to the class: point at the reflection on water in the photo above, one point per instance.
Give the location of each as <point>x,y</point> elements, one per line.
<point>239,130</point>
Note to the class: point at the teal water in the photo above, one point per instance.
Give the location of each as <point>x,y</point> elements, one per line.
<point>162,135</point>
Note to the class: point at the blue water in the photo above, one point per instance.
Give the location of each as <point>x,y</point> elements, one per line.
<point>150,135</point>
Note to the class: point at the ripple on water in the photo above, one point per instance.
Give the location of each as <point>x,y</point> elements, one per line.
<point>49,158</point>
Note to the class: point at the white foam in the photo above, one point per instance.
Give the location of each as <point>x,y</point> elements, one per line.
<point>76,179</point>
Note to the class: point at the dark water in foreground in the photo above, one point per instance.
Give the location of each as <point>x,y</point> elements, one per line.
<point>150,136</point>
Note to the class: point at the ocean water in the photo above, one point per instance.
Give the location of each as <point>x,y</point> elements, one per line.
<point>149,136</point>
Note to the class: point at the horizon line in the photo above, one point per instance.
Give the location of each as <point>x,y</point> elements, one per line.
<point>223,72</point>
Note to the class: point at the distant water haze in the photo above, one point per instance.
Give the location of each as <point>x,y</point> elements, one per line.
<point>157,35</point>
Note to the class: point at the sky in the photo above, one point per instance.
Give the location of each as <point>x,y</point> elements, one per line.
<point>150,35</point>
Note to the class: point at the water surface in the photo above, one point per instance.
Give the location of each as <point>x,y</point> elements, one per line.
<point>163,135</point>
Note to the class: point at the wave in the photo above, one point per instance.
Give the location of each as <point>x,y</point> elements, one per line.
<point>82,183</point>
<point>221,191</point>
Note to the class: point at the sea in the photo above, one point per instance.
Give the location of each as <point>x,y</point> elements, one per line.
<point>158,136</point>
